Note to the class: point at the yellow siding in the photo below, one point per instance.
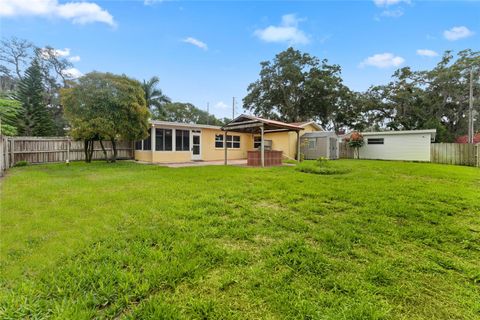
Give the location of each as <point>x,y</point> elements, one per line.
<point>209,152</point>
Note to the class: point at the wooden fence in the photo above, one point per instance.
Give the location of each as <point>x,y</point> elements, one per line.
<point>344,151</point>
<point>455,153</point>
<point>54,149</point>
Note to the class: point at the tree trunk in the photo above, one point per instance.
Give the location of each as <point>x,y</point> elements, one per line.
<point>92,144</point>
<point>114,148</point>
<point>86,146</point>
<point>104,151</point>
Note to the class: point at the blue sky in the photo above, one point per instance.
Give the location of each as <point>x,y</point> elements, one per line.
<point>210,51</point>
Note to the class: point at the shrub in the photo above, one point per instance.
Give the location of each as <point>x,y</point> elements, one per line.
<point>21,163</point>
<point>320,167</point>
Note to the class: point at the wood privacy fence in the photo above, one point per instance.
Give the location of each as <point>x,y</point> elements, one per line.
<point>463,154</point>
<point>447,153</point>
<point>344,151</point>
<point>54,149</point>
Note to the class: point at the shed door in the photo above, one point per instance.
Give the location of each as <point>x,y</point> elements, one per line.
<point>333,148</point>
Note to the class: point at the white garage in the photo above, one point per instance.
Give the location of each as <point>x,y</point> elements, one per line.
<point>411,145</point>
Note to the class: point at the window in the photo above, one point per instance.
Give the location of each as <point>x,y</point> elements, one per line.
<point>375,141</point>
<point>182,140</point>
<point>163,139</point>
<point>257,142</point>
<point>312,144</point>
<point>147,143</point>
<point>232,141</point>
<point>219,141</point>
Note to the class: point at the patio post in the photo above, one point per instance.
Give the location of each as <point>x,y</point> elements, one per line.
<point>262,147</point>
<point>153,139</point>
<point>225,146</point>
<point>298,145</point>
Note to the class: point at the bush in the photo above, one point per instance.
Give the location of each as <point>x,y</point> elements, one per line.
<point>320,166</point>
<point>21,163</point>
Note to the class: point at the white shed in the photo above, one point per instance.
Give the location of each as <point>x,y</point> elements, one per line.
<point>409,145</point>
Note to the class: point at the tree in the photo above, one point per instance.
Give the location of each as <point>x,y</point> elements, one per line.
<point>295,87</point>
<point>355,141</point>
<point>428,99</point>
<point>16,53</point>
<point>187,113</point>
<point>33,119</point>
<point>9,110</point>
<point>104,106</point>
<point>154,97</point>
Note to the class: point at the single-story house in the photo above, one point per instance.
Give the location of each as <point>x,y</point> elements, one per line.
<point>408,145</point>
<point>171,142</point>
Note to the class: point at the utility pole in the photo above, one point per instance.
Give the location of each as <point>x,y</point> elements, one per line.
<point>470,109</point>
<point>233,108</point>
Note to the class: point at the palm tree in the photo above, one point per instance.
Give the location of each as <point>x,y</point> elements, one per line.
<point>154,96</point>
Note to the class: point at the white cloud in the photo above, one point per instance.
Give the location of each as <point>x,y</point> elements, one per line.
<point>77,12</point>
<point>392,13</point>
<point>426,53</point>
<point>59,53</point>
<point>72,73</point>
<point>74,58</point>
<point>457,33</point>
<point>287,31</point>
<point>151,2</point>
<point>383,60</point>
<point>385,3</point>
<point>221,105</point>
<point>196,42</point>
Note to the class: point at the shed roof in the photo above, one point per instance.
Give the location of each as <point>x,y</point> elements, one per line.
<point>252,124</point>
<point>319,134</point>
<point>400,132</point>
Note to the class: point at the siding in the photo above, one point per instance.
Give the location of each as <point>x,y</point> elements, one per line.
<point>412,147</point>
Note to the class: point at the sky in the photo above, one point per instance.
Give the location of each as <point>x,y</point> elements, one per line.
<point>206,52</point>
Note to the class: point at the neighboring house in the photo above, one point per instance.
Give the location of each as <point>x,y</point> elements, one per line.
<point>411,145</point>
<point>171,142</point>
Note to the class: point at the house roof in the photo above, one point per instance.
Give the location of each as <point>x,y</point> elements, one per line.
<point>252,124</point>
<point>306,123</point>
<point>182,125</point>
<point>320,134</point>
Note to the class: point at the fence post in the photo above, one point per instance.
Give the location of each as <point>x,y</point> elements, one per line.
<point>12,150</point>
<point>68,150</point>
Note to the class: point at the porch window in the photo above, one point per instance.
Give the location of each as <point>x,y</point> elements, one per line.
<point>163,139</point>
<point>182,140</point>
<point>138,145</point>
<point>147,143</point>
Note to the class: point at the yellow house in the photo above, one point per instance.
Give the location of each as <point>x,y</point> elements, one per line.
<point>174,142</point>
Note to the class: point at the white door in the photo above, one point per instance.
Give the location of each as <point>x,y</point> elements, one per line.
<point>196,147</point>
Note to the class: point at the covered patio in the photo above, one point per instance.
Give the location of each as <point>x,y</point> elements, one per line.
<point>260,126</point>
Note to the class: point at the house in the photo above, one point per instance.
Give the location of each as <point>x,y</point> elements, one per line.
<point>171,142</point>
<point>408,145</point>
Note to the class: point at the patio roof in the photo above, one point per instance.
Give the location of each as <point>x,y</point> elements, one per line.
<point>252,124</point>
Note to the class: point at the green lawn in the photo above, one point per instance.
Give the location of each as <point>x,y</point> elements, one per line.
<point>386,240</point>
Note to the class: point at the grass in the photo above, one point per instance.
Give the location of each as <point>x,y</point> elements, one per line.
<point>387,240</point>
<point>322,166</point>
